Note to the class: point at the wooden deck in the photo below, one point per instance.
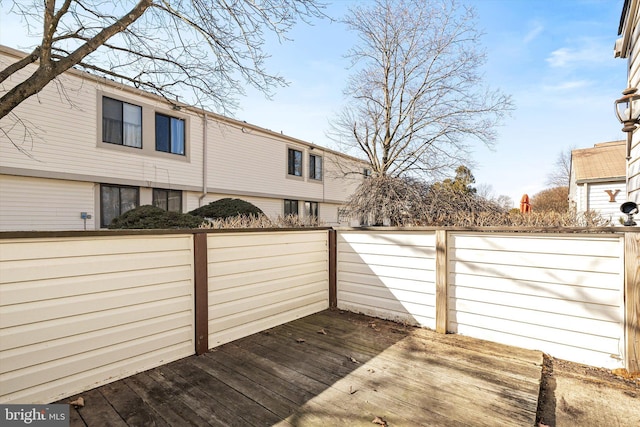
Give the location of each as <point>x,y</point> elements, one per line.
<point>329,369</point>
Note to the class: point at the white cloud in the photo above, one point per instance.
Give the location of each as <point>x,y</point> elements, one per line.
<point>589,53</point>
<point>533,33</point>
<point>568,85</point>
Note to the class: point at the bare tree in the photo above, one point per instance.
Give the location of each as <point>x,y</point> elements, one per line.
<point>405,200</point>
<point>416,95</point>
<point>554,199</point>
<point>560,176</point>
<point>387,200</point>
<point>210,48</point>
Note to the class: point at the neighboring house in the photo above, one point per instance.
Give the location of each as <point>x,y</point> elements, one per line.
<point>598,179</point>
<point>627,46</point>
<point>87,149</point>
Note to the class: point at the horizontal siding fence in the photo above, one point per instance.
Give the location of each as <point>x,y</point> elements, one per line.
<point>81,309</point>
<point>78,312</point>
<point>561,294</point>
<point>388,275</point>
<point>575,296</point>
<point>261,280</point>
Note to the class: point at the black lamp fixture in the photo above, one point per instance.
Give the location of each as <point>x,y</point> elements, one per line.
<point>629,209</point>
<point>628,112</point>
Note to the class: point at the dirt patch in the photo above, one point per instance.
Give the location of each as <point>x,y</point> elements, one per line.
<point>556,402</point>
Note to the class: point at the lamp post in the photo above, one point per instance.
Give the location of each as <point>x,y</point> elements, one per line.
<point>628,112</point>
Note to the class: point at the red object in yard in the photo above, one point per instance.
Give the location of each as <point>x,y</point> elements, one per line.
<point>525,206</point>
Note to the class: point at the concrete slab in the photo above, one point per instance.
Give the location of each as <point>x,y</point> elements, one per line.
<point>580,395</point>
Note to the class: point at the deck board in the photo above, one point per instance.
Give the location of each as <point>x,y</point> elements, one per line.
<point>331,368</point>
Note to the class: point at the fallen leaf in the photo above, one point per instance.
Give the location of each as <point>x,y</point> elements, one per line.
<point>352,391</point>
<point>300,340</point>
<point>322,331</point>
<point>353,360</point>
<point>380,421</point>
<point>78,403</point>
<point>371,370</point>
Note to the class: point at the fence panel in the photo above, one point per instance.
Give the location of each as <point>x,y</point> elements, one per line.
<point>78,312</point>
<point>258,280</point>
<point>388,274</point>
<point>561,294</point>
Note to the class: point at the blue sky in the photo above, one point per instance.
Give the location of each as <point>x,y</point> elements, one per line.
<point>555,57</point>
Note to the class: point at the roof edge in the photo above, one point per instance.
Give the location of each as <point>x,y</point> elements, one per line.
<point>199,111</point>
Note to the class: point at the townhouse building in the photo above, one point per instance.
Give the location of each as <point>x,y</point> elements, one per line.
<point>86,149</point>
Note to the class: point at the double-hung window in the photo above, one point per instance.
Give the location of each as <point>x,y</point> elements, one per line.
<point>121,123</point>
<point>116,200</point>
<point>290,207</point>
<point>315,167</point>
<point>294,162</point>
<point>169,134</point>
<point>169,200</point>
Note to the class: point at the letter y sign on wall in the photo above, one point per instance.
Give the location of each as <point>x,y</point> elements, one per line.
<point>612,195</point>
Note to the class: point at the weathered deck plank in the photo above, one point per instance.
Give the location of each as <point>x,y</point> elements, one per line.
<point>331,368</point>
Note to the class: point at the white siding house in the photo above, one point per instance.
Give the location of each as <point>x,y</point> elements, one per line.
<point>86,149</point>
<point>598,180</point>
<point>627,47</point>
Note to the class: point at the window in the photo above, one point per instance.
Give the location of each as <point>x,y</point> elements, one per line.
<point>116,200</point>
<point>169,200</point>
<point>366,172</point>
<point>295,162</point>
<point>343,215</point>
<point>121,123</point>
<point>169,134</point>
<point>290,207</point>
<point>315,167</point>
<point>311,209</point>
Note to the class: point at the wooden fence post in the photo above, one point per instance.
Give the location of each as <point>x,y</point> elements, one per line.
<point>333,264</point>
<point>441,282</point>
<point>201,292</point>
<point>632,300</point>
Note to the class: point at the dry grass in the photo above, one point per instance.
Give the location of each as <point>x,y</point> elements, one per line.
<point>262,221</point>
<point>516,219</point>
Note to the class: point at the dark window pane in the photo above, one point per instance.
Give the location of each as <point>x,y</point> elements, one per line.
<point>295,162</point>
<point>111,121</point>
<point>291,207</point>
<point>115,200</point>
<point>160,198</point>
<point>128,199</point>
<point>174,203</point>
<point>109,204</point>
<point>162,133</point>
<point>315,167</point>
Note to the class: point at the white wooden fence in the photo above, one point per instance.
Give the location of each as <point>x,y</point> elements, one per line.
<point>562,294</point>
<point>261,280</point>
<point>388,275</point>
<point>78,310</point>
